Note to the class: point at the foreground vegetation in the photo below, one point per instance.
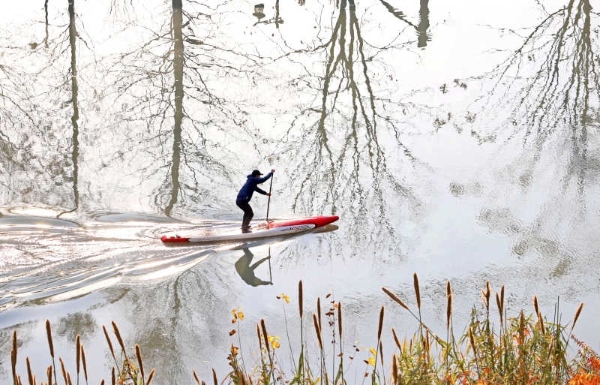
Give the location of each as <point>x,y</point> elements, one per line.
<point>525,349</point>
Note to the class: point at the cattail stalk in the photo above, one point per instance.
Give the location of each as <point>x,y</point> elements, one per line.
<point>138,354</point>
<point>300,299</point>
<point>150,376</point>
<point>380,328</point>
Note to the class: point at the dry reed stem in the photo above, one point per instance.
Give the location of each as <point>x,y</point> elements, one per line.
<point>29,373</point>
<point>300,299</point>
<point>102,382</point>
<point>577,313</point>
<point>215,382</point>
<point>113,382</point>
<point>49,335</point>
<point>77,353</point>
<point>84,362</point>
<point>535,306</point>
<point>395,298</point>
<point>69,382</point>
<point>119,339</point>
<point>318,330</point>
<point>340,319</point>
<point>381,352</point>
<point>396,340</point>
<point>265,335</point>
<point>472,339</point>
<point>196,377</point>
<point>381,313</point>
<point>417,291</point>
<point>49,374</point>
<point>138,354</point>
<point>151,376</point>
<point>110,346</point>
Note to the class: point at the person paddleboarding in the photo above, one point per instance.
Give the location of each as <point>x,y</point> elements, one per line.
<point>243,198</point>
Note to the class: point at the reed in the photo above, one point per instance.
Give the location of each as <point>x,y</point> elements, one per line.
<point>522,349</point>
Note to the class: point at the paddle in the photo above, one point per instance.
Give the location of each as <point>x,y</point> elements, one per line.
<point>269,200</point>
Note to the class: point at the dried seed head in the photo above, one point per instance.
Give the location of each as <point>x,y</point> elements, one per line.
<point>394,297</point>
<point>49,336</point>
<point>381,313</point>
<point>417,291</point>
<point>577,313</point>
<point>300,299</point>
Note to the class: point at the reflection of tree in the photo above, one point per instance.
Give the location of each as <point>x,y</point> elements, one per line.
<point>45,163</point>
<point>551,82</point>
<point>167,99</point>
<point>346,152</point>
<point>423,25</point>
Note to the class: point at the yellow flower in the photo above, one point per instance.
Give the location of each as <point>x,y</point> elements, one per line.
<point>274,341</point>
<point>371,361</point>
<point>237,314</point>
<point>373,351</point>
<point>285,297</point>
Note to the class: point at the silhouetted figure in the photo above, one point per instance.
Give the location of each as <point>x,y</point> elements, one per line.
<point>258,11</point>
<point>246,271</point>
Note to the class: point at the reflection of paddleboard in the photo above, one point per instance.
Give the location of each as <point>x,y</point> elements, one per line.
<point>275,228</point>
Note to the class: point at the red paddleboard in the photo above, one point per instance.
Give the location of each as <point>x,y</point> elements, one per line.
<point>276,228</point>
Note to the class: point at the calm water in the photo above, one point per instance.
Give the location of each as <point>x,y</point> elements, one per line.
<point>455,139</point>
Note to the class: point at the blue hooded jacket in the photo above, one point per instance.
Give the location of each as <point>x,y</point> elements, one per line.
<point>251,186</point>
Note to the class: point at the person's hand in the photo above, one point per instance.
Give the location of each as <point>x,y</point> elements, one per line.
<point>268,194</point>
<point>273,170</point>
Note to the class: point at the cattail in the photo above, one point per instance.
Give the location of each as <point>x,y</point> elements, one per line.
<point>77,352</point>
<point>110,346</point>
<point>535,306</point>
<point>49,335</point>
<point>69,382</point>
<point>138,354</point>
<point>13,357</point>
<point>577,313</point>
<point>340,319</point>
<point>449,306</point>
<point>394,369</point>
<point>215,377</point>
<point>102,382</point>
<point>196,377</point>
<point>300,301</point>
<point>396,340</point>
<point>395,298</point>
<point>265,335</point>
<point>49,374</point>
<point>502,297</point>
<point>118,334</point>
<point>486,294</point>
<point>29,372</point>
<point>151,376</point>
<point>83,361</point>
<point>542,325</point>
<point>318,330</point>
<point>417,291</point>
<point>260,341</point>
<point>499,303</point>
<point>62,368</point>
<point>381,352</point>
<point>113,376</point>
<point>381,313</point>
<point>319,310</point>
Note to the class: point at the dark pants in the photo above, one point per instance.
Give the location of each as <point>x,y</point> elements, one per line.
<point>248,213</point>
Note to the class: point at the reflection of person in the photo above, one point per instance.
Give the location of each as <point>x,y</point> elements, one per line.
<point>246,271</point>
<point>245,194</point>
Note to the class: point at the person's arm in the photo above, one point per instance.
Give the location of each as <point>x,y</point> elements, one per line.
<point>265,178</point>
<point>261,191</point>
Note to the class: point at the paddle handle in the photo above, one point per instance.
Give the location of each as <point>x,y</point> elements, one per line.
<point>269,200</point>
